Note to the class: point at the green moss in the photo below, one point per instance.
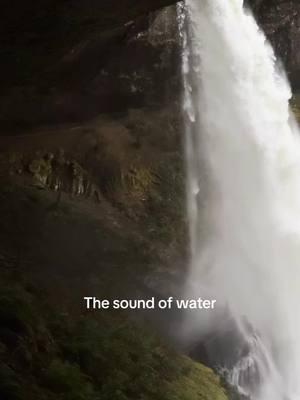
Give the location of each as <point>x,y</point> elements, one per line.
<point>139,182</point>
<point>135,363</point>
<point>199,382</point>
<point>48,355</point>
<point>167,202</point>
<point>67,380</point>
<point>97,356</point>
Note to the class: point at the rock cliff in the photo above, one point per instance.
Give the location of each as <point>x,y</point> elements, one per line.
<point>71,60</point>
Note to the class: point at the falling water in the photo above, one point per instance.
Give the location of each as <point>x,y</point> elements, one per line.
<point>243,161</point>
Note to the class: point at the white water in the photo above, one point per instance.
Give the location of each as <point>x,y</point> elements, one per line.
<point>243,157</point>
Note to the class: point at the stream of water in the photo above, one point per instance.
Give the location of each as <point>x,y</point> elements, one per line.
<point>243,164</point>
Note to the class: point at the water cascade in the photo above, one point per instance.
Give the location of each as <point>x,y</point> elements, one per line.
<point>243,163</point>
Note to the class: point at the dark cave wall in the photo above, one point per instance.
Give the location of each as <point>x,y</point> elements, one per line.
<point>280,19</point>
<point>35,34</point>
<point>69,61</point>
<point>109,71</point>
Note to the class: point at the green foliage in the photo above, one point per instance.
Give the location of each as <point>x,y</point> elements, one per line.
<point>102,356</point>
<point>167,202</point>
<point>198,383</point>
<point>128,358</point>
<point>135,364</point>
<point>67,380</point>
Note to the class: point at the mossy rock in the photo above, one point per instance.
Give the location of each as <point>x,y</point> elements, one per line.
<point>127,361</point>
<point>41,170</point>
<point>97,356</point>
<point>103,357</point>
<point>68,381</point>
<point>197,383</point>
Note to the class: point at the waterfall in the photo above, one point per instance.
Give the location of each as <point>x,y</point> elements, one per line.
<point>243,166</point>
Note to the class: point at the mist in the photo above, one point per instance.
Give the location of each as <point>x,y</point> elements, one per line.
<point>243,162</point>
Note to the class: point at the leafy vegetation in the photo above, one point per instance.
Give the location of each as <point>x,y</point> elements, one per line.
<point>102,356</point>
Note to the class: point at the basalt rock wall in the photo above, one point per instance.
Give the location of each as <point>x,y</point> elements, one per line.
<point>71,61</point>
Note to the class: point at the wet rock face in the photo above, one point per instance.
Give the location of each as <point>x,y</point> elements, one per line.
<point>95,68</point>
<point>280,20</point>
<point>68,61</point>
<point>35,34</point>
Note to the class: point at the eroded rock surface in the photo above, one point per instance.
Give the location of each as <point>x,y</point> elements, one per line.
<point>70,61</point>
<point>280,20</point>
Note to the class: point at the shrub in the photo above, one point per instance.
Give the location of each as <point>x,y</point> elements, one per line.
<point>67,380</point>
